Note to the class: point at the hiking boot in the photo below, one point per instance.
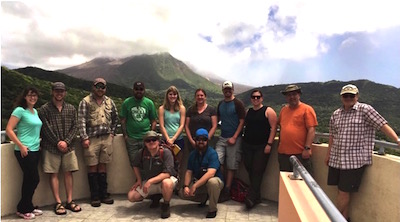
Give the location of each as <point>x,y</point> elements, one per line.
<point>94,189</point>
<point>155,200</point>
<point>95,202</point>
<point>225,195</point>
<point>107,199</point>
<point>104,195</point>
<point>203,203</point>
<point>251,202</point>
<point>212,214</point>
<point>165,211</point>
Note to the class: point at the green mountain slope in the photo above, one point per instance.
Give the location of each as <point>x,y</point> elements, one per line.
<point>158,72</point>
<point>324,98</point>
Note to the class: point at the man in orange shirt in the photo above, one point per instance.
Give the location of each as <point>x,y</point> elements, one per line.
<point>297,122</point>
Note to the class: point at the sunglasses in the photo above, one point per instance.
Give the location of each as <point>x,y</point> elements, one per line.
<point>201,138</point>
<point>349,96</point>
<point>100,86</point>
<point>153,139</point>
<point>138,89</point>
<point>256,97</point>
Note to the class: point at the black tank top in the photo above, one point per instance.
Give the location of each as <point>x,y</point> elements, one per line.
<point>257,127</point>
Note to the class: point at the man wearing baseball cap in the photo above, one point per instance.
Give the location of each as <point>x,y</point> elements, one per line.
<point>138,115</point>
<point>231,113</point>
<point>297,121</point>
<point>154,171</point>
<point>59,131</point>
<point>203,180</point>
<point>352,130</point>
<point>97,121</point>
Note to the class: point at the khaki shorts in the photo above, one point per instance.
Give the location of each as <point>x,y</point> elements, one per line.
<point>154,188</point>
<point>100,150</point>
<point>232,154</point>
<point>52,162</point>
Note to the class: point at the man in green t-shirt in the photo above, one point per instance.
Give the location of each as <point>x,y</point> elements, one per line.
<point>138,115</point>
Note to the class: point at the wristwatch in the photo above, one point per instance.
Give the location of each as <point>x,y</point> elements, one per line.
<point>307,148</point>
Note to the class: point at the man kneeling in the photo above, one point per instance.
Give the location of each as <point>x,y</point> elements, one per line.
<point>154,171</point>
<point>203,179</point>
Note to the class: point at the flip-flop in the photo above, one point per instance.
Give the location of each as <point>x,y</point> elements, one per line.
<point>72,206</point>
<point>59,209</point>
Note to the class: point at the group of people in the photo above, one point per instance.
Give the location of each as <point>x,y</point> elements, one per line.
<point>246,135</point>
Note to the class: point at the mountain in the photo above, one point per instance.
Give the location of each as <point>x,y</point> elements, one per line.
<point>158,72</point>
<point>324,98</point>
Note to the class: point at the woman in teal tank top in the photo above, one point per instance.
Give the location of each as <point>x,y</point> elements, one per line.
<point>28,124</point>
<point>172,119</point>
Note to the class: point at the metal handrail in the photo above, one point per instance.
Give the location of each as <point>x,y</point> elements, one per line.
<point>330,209</point>
<point>381,144</point>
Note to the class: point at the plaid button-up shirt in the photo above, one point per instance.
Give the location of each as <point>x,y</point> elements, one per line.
<point>85,118</point>
<point>58,126</point>
<point>353,133</point>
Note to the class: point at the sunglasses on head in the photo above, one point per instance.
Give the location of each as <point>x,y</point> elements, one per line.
<point>100,86</point>
<point>256,97</point>
<point>152,139</point>
<point>202,138</point>
<point>348,96</point>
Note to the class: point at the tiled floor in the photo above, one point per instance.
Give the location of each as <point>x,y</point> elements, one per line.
<point>181,210</point>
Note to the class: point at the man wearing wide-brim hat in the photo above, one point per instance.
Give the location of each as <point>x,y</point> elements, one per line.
<point>297,122</point>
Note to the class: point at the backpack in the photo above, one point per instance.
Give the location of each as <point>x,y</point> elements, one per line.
<point>175,149</point>
<point>239,190</point>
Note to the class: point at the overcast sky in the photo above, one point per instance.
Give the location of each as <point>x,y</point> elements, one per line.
<point>257,43</point>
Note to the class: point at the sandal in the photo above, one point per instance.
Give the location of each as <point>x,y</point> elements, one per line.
<point>59,209</point>
<point>72,206</point>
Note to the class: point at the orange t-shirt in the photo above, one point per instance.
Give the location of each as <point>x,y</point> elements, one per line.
<point>293,127</point>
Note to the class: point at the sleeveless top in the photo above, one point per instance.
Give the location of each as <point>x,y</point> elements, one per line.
<point>257,127</point>
<point>172,122</point>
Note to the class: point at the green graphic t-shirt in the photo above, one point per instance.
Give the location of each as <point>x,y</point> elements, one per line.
<point>138,114</point>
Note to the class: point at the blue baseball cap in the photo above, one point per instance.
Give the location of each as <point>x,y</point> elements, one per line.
<point>202,132</point>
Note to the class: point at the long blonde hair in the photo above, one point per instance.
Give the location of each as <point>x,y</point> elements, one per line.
<point>177,104</point>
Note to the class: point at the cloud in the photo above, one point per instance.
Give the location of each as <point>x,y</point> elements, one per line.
<point>306,40</point>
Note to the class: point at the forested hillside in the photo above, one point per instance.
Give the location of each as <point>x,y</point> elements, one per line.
<point>324,97</point>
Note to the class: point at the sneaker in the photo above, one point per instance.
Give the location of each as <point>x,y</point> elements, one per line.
<point>26,216</point>
<point>37,212</point>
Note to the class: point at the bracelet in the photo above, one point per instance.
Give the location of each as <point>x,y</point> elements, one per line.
<point>184,186</point>
<point>270,144</point>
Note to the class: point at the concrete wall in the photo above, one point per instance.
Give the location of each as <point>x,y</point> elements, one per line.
<point>378,199</point>
<point>297,203</point>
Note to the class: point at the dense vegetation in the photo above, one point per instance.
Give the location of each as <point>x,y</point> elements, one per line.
<point>324,97</point>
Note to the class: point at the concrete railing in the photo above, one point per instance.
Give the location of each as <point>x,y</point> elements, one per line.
<point>377,199</point>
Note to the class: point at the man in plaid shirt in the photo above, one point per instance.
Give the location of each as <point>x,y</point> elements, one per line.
<point>58,132</point>
<point>97,121</point>
<point>351,142</point>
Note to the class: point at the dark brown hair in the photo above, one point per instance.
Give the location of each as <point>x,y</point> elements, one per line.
<point>21,101</point>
